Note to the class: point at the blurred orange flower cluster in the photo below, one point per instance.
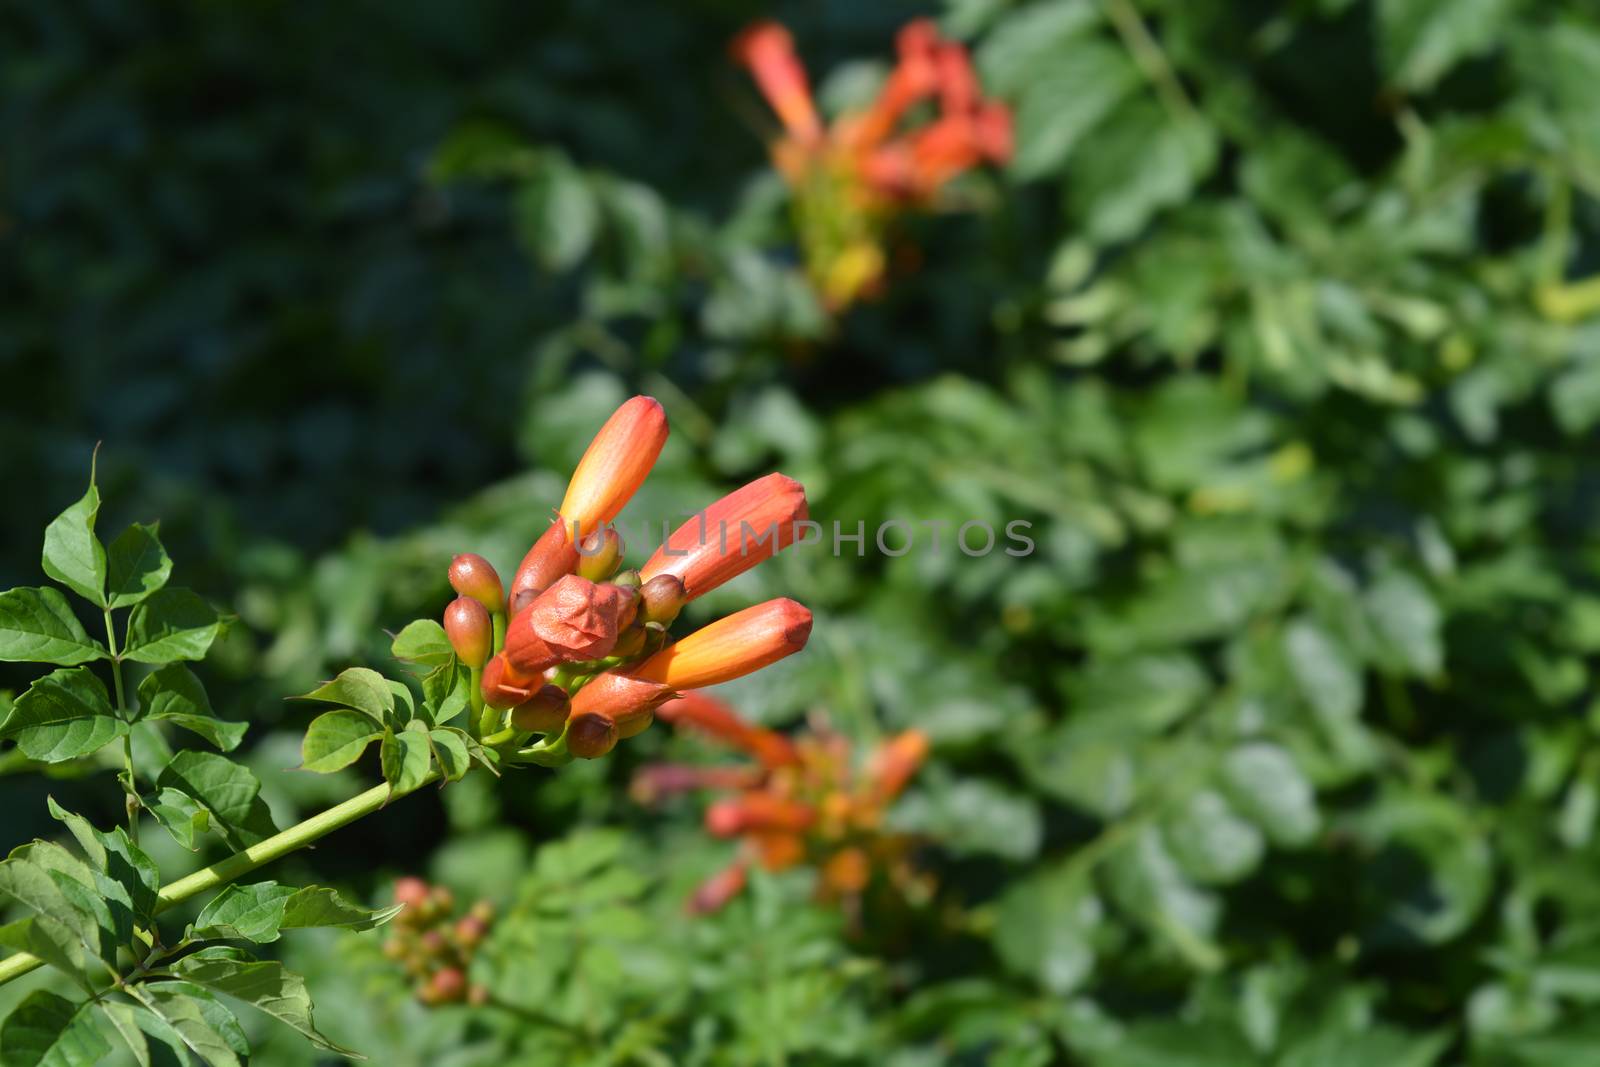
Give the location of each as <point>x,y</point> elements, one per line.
<point>802,801</point>
<point>852,178</point>
<point>577,650</point>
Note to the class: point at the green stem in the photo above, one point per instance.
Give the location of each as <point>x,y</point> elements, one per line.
<point>242,863</point>
<point>499,621</point>
<point>130,784</point>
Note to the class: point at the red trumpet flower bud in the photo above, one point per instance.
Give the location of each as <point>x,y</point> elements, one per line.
<point>471,575</point>
<point>661,598</point>
<point>591,736</point>
<point>895,762</point>
<point>732,535</point>
<point>616,464</point>
<point>599,554</point>
<point>471,634</point>
<point>544,713</point>
<point>575,619</point>
<point>551,557</point>
<point>730,648</point>
<point>504,686</point>
<point>958,84</point>
<point>713,717</point>
<point>768,50</point>
<point>614,705</point>
<point>758,812</point>
<point>717,890</point>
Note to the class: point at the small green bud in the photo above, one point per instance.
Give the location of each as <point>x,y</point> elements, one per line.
<point>599,554</point>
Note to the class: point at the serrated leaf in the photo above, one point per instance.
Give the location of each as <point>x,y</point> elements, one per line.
<point>116,856</point>
<point>360,688</point>
<point>73,555</point>
<point>264,985</point>
<point>452,750</point>
<point>424,643</point>
<point>124,1020</point>
<point>171,625</point>
<point>336,739</point>
<point>407,759</point>
<point>180,814</point>
<point>47,1030</point>
<point>65,715</point>
<point>228,791</point>
<point>173,694</point>
<point>136,565</point>
<point>258,912</point>
<point>202,1023</point>
<point>37,626</point>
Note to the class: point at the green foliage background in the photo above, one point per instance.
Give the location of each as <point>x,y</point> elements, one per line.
<point>1281,749</point>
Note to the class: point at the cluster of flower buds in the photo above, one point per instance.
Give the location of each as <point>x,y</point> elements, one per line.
<point>433,946</point>
<point>852,177</point>
<point>800,800</point>
<point>577,650</point>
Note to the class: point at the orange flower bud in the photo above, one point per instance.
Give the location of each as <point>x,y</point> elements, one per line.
<point>411,892</point>
<point>616,464</point>
<point>625,701</point>
<point>544,713</point>
<point>447,986</point>
<point>717,890</point>
<point>599,554</point>
<point>471,575</point>
<point>779,852</point>
<point>661,598</point>
<point>471,634</point>
<point>895,762</point>
<point>958,84</point>
<point>994,134</point>
<point>764,812</point>
<point>591,735</point>
<point>713,717</point>
<point>574,619</point>
<point>552,556</point>
<point>732,647</point>
<point>650,784</point>
<point>728,538</point>
<point>504,686</point>
<point>847,871</point>
<point>768,50</point>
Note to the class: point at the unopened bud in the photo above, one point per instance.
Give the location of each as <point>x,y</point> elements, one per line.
<point>758,812</point>
<point>661,598</point>
<point>545,713</point>
<point>433,943</point>
<point>591,735</point>
<point>717,890</point>
<point>448,986</point>
<point>599,554</point>
<point>627,703</point>
<point>443,899</point>
<point>471,575</point>
<point>732,535</point>
<point>575,619</point>
<point>630,644</point>
<point>470,932</point>
<point>467,624</point>
<point>412,893</point>
<point>505,687</point>
<point>732,647</point>
<point>552,556</point>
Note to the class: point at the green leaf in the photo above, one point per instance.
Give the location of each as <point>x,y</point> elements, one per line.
<point>424,643</point>
<point>115,855</point>
<point>336,739</point>
<point>73,555</point>
<point>1266,784</point>
<point>37,626</point>
<point>1140,160</point>
<point>64,715</point>
<point>360,688</point>
<point>262,984</point>
<point>137,565</point>
<point>445,692</point>
<point>258,912</point>
<point>124,1019</point>
<point>452,750</point>
<point>1147,883</point>
<point>180,814</point>
<point>407,759</point>
<point>49,880</point>
<point>200,1022</point>
<point>1329,680</point>
<point>47,1030</point>
<point>117,858</point>
<point>173,694</point>
<point>228,792</point>
<point>556,214</point>
<point>56,943</point>
<point>171,625</point>
<point>1044,928</point>
<point>1408,624</point>
<point>1421,42</point>
<point>974,816</point>
<point>1211,842</point>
